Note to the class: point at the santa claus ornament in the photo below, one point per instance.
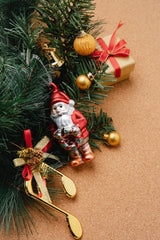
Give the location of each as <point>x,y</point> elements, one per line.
<point>69,128</point>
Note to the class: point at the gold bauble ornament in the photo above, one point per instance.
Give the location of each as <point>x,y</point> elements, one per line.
<point>113,138</point>
<point>83,82</point>
<point>84,44</point>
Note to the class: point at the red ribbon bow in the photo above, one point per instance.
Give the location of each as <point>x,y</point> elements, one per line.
<point>112,51</point>
<point>27,173</point>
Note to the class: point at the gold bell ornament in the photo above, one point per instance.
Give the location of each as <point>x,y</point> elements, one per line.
<point>113,138</point>
<point>84,44</point>
<point>84,81</point>
<point>52,57</point>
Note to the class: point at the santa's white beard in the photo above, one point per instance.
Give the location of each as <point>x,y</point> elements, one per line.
<point>63,119</point>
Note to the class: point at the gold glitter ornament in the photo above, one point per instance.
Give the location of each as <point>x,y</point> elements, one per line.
<point>84,44</point>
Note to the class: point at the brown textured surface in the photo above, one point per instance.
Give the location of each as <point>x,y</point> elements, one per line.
<point>118,194</point>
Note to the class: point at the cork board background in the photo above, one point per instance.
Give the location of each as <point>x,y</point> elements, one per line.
<point>118,194</point>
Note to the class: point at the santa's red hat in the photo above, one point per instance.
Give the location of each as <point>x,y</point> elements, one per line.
<point>58,96</point>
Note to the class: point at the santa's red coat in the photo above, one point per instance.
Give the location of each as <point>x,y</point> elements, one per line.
<point>79,120</point>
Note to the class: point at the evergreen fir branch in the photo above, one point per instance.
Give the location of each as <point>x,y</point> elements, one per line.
<point>58,35</point>
<point>12,210</point>
<point>10,8</point>
<point>98,90</point>
<point>14,205</point>
<point>21,98</point>
<point>64,20</point>
<point>24,95</point>
<point>97,126</point>
<point>22,31</point>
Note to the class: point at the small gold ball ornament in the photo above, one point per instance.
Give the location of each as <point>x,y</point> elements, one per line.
<point>84,44</point>
<point>83,82</point>
<point>113,138</point>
